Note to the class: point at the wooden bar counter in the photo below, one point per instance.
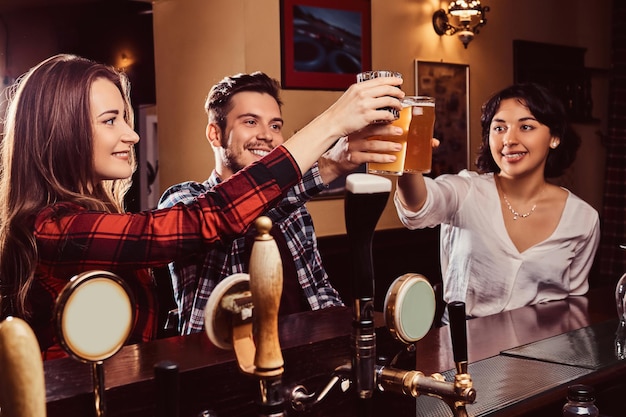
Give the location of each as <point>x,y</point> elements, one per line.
<point>313,345</point>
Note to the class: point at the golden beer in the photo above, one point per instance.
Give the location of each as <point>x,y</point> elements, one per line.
<point>419,151</point>
<point>397,167</point>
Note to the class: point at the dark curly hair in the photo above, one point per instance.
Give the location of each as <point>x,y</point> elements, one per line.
<point>548,110</point>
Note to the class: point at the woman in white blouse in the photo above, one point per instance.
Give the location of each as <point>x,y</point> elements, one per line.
<point>508,237</point>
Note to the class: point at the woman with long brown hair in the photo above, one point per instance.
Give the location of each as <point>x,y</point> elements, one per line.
<point>67,158</point>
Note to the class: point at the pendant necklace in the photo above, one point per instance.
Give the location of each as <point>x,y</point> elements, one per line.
<point>517,215</point>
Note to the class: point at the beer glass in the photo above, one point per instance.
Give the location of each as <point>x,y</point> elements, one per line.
<point>417,120</point>
<point>368,75</point>
<point>396,167</point>
<point>419,151</point>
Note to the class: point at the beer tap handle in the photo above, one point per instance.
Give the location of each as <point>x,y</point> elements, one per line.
<point>266,286</point>
<point>365,201</point>
<point>22,390</point>
<point>458,334</point>
<point>167,380</point>
<point>456,394</point>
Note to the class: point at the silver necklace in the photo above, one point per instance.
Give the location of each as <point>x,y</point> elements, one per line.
<point>517,215</point>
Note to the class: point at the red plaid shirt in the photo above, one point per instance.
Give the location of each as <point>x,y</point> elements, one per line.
<point>72,240</point>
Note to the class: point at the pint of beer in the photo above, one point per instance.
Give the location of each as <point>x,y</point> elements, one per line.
<point>417,120</point>
<point>396,167</point>
<point>419,151</point>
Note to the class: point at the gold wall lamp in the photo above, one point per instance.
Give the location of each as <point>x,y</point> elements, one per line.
<point>470,16</point>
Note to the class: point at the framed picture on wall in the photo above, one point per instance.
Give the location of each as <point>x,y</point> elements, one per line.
<point>324,43</point>
<point>449,85</point>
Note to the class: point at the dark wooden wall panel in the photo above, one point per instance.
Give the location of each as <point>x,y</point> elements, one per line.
<point>395,252</point>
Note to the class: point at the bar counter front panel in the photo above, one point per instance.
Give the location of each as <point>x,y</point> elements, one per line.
<point>512,373</point>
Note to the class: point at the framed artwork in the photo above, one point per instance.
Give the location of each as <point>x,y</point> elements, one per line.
<point>324,43</point>
<point>449,85</point>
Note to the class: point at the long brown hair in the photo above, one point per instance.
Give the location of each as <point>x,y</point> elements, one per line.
<point>47,157</point>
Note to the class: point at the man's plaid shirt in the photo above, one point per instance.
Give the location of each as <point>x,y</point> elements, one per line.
<point>294,221</point>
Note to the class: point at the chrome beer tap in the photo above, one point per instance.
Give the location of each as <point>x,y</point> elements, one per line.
<point>411,293</point>
<point>462,380</point>
<point>366,197</point>
<point>409,312</point>
<point>414,383</point>
<point>409,290</point>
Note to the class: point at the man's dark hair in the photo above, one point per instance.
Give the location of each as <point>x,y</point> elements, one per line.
<point>219,102</point>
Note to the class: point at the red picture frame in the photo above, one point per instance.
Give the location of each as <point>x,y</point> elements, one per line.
<point>324,43</point>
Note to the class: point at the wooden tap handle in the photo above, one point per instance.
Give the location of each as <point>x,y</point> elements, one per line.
<point>266,286</point>
<point>22,390</point>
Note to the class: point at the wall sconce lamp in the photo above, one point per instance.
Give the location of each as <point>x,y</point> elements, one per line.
<point>466,12</point>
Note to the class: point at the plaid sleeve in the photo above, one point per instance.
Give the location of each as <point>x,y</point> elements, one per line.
<point>67,235</point>
<point>184,192</point>
<point>309,186</point>
<point>247,195</point>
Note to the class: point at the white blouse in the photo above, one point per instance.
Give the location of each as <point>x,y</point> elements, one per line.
<point>481,266</point>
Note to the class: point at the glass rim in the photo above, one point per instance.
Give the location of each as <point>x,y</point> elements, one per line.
<point>368,75</point>
<point>417,100</point>
<point>418,97</point>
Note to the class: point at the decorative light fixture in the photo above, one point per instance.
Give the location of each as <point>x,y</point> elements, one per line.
<point>470,15</point>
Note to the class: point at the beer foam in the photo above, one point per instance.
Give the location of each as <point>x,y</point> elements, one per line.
<point>360,183</point>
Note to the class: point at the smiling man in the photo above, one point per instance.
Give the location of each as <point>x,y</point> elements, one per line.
<point>245,121</point>
<point>244,124</point>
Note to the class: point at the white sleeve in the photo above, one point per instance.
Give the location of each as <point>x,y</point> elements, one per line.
<point>585,255</point>
<point>445,195</point>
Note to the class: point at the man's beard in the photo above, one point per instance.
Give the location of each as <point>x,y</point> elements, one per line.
<point>231,162</point>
